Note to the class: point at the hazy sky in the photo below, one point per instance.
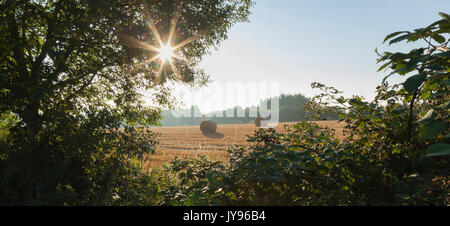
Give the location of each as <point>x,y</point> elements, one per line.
<point>298,42</point>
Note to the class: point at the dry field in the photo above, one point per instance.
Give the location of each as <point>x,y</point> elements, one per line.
<point>188,141</point>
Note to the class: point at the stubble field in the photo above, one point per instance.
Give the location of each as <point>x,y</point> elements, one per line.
<point>189,142</point>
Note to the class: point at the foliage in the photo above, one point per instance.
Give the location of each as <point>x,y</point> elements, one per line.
<point>426,92</point>
<point>7,120</point>
<point>76,89</point>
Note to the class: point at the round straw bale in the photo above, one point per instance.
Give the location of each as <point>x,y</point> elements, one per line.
<point>208,127</point>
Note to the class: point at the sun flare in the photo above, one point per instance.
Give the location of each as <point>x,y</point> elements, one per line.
<point>166,53</point>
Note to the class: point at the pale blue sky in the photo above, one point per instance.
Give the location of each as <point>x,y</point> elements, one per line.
<point>298,42</point>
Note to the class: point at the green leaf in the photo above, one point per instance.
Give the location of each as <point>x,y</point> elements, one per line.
<point>425,96</point>
<point>439,38</point>
<point>383,66</point>
<point>398,57</point>
<point>412,83</point>
<point>413,38</point>
<point>430,86</point>
<point>399,39</point>
<point>389,36</point>
<point>431,130</point>
<point>443,54</point>
<point>439,149</point>
<point>400,69</point>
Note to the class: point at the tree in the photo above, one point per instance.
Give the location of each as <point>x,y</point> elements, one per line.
<point>72,73</point>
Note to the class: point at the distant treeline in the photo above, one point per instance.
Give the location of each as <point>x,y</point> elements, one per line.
<point>291,110</point>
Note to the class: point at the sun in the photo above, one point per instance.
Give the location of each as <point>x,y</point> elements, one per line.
<point>166,53</point>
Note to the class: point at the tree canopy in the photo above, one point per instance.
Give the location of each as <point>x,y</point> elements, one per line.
<point>66,57</point>
<point>73,76</point>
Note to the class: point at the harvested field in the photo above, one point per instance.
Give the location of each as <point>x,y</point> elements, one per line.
<point>162,156</point>
<point>188,141</point>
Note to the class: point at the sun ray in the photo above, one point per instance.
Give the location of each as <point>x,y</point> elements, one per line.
<point>135,43</point>
<point>190,39</point>
<point>158,76</point>
<point>174,22</point>
<point>151,24</point>
<point>149,60</point>
<point>174,69</point>
<point>146,62</point>
<point>155,32</point>
<point>178,57</point>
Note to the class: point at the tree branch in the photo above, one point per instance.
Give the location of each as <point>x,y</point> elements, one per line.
<point>18,49</point>
<point>49,41</point>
